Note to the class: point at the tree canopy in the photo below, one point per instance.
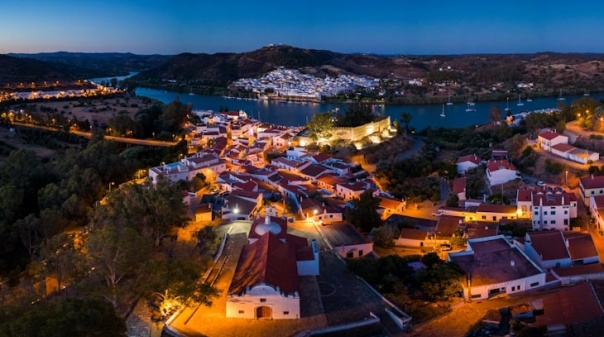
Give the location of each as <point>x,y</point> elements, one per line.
<point>363,213</point>
<point>320,126</point>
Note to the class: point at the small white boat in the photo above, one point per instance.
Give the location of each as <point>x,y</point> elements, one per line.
<point>520,101</point>
<point>449,100</point>
<point>560,98</point>
<point>470,108</point>
<point>442,114</point>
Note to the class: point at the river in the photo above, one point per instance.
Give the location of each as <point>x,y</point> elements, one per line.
<point>297,114</point>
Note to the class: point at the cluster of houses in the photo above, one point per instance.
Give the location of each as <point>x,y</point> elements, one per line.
<point>318,185</point>
<point>557,144</point>
<point>292,83</point>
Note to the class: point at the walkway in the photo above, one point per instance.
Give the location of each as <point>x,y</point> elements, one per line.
<point>135,141</point>
<point>417,145</point>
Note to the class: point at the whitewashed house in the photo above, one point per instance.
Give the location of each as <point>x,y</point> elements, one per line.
<point>591,186</point>
<point>546,140</point>
<point>500,172</point>
<point>466,163</point>
<point>493,266</point>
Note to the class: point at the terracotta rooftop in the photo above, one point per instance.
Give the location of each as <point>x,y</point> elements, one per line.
<point>592,182</point>
<point>330,179</point>
<point>314,170</point>
<point>563,147</point>
<point>585,269</point>
<point>570,306</point>
<point>459,185</point>
<point>494,261</point>
<point>492,208</point>
<point>496,165</point>
<point>580,245</point>
<point>549,245</point>
<point>599,200</point>
<point>413,234</point>
<point>342,234</point>
<point>447,224</point>
<point>550,135</point>
<point>471,158</point>
<point>268,260</point>
<point>391,203</point>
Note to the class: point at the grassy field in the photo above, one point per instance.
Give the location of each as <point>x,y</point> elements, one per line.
<point>101,110</point>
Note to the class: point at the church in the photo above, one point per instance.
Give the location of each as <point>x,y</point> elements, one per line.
<point>266,282</point>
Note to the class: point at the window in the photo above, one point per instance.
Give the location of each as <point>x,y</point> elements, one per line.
<point>545,213</point>
<point>536,213</point>
<point>241,311</point>
<point>476,296</point>
<point>565,212</point>
<point>360,252</point>
<point>349,255</point>
<point>534,284</point>
<point>262,300</point>
<point>484,217</point>
<point>513,288</point>
<point>518,287</point>
<point>592,192</point>
<point>286,312</point>
<point>553,222</point>
<point>566,221</point>
<point>553,212</point>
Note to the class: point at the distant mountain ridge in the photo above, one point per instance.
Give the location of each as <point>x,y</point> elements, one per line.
<point>14,70</point>
<point>575,71</point>
<point>102,64</point>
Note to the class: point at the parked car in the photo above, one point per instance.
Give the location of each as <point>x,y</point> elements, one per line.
<point>540,183</point>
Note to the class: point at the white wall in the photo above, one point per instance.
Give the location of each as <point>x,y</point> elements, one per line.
<point>245,306</point>
<point>354,249</point>
<point>519,285</point>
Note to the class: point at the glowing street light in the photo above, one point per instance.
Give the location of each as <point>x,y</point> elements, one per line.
<point>566,178</point>
<point>111,184</point>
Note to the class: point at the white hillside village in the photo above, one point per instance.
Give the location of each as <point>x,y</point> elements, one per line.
<point>294,84</point>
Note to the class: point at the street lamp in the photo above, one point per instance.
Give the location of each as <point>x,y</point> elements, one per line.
<point>566,178</point>
<point>111,184</point>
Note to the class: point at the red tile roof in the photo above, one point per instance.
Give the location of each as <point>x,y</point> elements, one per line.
<point>492,208</point>
<point>459,185</point>
<point>599,200</point>
<point>584,269</point>
<point>495,165</point>
<point>268,260</point>
<point>550,135</point>
<point>580,245</point>
<point>471,158</point>
<point>563,147</point>
<point>549,245</point>
<point>570,306</point>
<point>592,182</point>
<point>413,234</point>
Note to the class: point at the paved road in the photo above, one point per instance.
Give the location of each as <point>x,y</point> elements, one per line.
<point>146,142</point>
<point>417,145</point>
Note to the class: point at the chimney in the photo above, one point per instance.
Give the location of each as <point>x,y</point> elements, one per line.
<point>512,263</point>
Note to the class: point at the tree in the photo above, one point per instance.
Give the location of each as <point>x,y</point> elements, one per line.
<point>320,127</point>
<point>152,210</point>
<point>384,235</point>
<point>363,213</point>
<point>452,200</point>
<point>406,120</point>
<point>495,113</point>
<point>62,317</point>
<point>585,110</point>
<point>114,252</point>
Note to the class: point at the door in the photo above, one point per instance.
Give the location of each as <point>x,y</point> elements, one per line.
<point>264,312</point>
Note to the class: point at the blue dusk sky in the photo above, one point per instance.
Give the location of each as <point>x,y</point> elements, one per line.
<point>380,27</point>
